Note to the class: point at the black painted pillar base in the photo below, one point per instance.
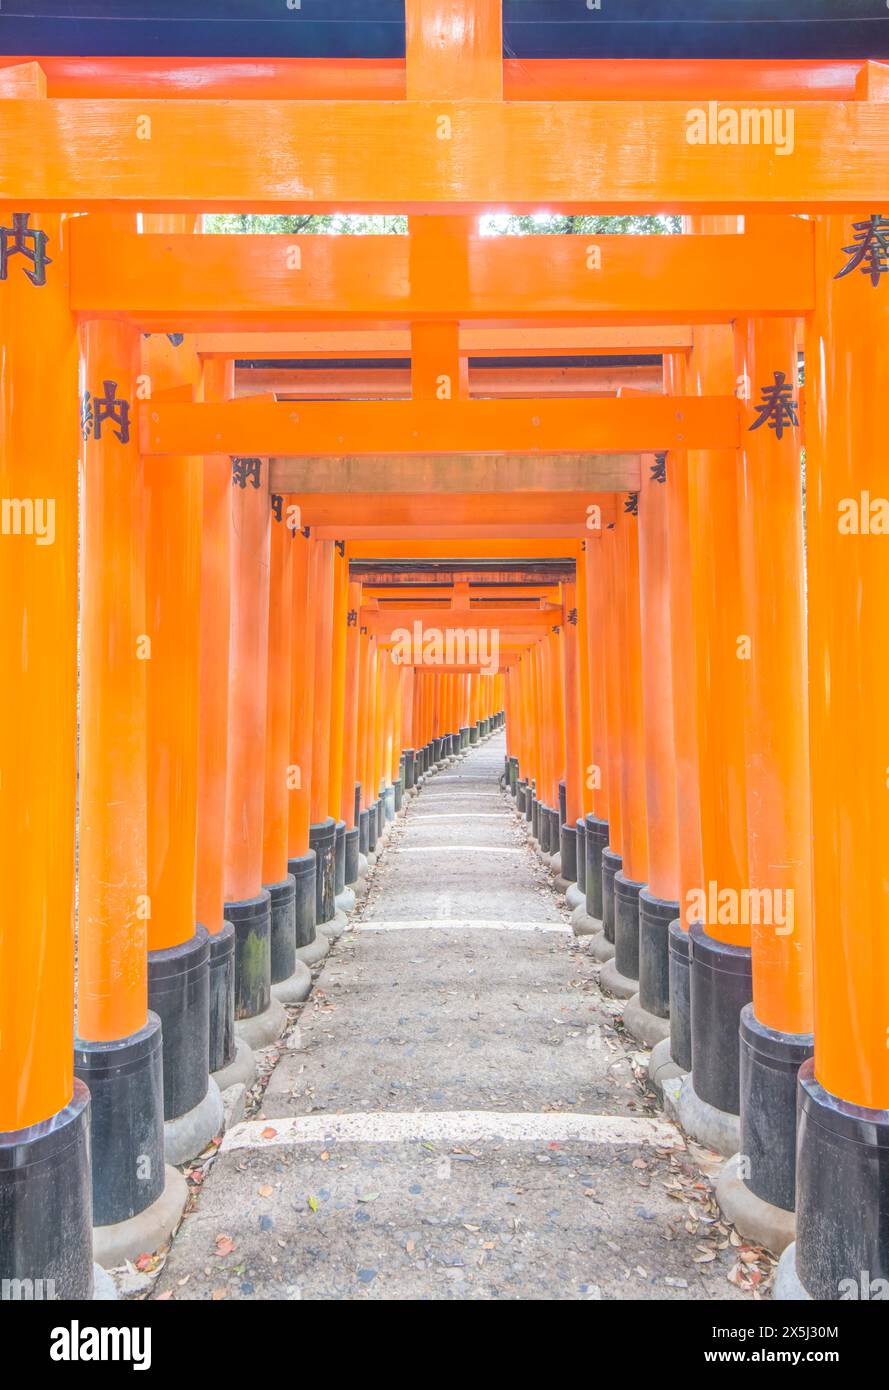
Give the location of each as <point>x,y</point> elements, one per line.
<point>357,801</point>
<point>596,841</point>
<point>372,823</point>
<point>530,798</point>
<point>568,852</point>
<point>339,861</point>
<point>223,1043</point>
<point>655,916</point>
<point>842,1197</point>
<point>364,832</point>
<point>282,929</point>
<point>436,750</point>
<point>179,993</point>
<point>534,818</point>
<point>387,802</point>
<point>555,828</point>
<point>721,985</point>
<point>464,736</point>
<point>252,920</point>
<point>513,774</point>
<point>302,870</point>
<point>125,1078</point>
<point>521,788</point>
<point>680,994</point>
<point>611,865</point>
<point>46,1223</point>
<point>398,789</point>
<point>626,925</point>
<point>410,768</point>
<point>351,855</point>
<point>473,734</point>
<point>580,853</point>
<point>770,1062</point>
<point>322,839</point>
<point>381,811</point>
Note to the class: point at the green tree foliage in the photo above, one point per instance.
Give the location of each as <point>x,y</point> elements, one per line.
<point>492,224</point>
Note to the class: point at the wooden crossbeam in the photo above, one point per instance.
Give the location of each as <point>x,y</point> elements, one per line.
<point>393,593</point>
<point>602,425</point>
<point>526,620</point>
<point>475,341</point>
<point>519,506</point>
<point>370,79</point>
<point>445,536</point>
<point>416,156</point>
<point>395,383</point>
<point>190,283</point>
<point>437,552</point>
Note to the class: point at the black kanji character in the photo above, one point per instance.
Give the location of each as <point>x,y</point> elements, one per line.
<point>109,407</point>
<point>777,407</point>
<point>246,470</point>
<point>869,250</point>
<point>25,241</point>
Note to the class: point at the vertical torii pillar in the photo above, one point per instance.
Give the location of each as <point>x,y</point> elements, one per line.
<point>178,945</point>
<point>646,1015</point>
<point>539,819</point>
<point>231,1060</point>
<point>842,1246</point>
<point>473,708</point>
<point>568,843</point>
<point>387,787</point>
<point>342,902</point>
<point>218,385</point>
<point>757,1190</point>
<point>362,813</point>
<point>596,829</point>
<point>672,1058</point>
<point>602,946</point>
<point>322,831</point>
<point>259,1018</point>
<point>45,1197</point>
<point>311,945</point>
<point>621,975</point>
<point>576,893</point>
<point>537,703</point>
<point>719,932</point>
<point>408,731</point>
<point>291,979</point>
<point>370,757</point>
<point>463,713</point>
<point>557,739</point>
<point>348,802</point>
<point>137,1201</point>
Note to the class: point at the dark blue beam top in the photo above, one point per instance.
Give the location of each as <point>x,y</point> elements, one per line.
<point>828,29</point>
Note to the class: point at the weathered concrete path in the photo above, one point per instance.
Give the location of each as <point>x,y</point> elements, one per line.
<point>458,1114</point>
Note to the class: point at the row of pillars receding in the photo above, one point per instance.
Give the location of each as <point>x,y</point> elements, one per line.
<point>702,752</point>
<point>709,711</point>
<point>200,734</point>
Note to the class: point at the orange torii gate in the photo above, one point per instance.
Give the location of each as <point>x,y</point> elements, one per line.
<point>440,147</point>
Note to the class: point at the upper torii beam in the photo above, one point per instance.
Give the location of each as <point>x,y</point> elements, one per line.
<point>189,283</point>
<point>428,156</point>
